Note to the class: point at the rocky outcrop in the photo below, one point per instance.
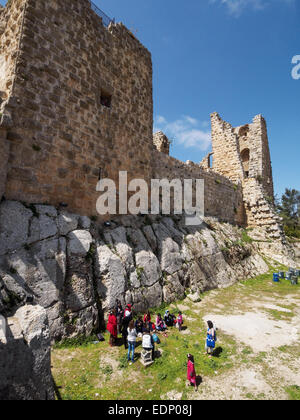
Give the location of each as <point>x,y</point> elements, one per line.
<point>76,269</point>
<point>296,246</point>
<point>25,365</point>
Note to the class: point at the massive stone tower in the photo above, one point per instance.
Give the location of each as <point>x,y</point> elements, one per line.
<point>242,154</point>
<point>76,91</point>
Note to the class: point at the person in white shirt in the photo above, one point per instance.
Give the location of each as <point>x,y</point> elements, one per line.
<point>132,335</point>
<point>148,343</point>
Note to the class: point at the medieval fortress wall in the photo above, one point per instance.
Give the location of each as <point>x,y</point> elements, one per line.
<point>77,104</point>
<point>80,104</point>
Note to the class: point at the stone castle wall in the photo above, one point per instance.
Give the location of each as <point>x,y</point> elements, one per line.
<point>223,198</point>
<point>81,104</point>
<point>226,159</point>
<point>11,19</point>
<point>77,106</point>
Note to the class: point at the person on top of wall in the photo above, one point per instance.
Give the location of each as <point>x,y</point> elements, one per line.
<point>112,327</point>
<point>132,335</point>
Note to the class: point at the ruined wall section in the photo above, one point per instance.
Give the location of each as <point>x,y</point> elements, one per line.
<point>223,198</point>
<point>262,163</point>
<point>63,136</point>
<point>260,212</point>
<point>225,144</point>
<point>161,142</point>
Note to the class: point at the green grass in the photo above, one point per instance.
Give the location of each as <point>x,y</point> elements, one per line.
<point>86,371</point>
<point>293,392</point>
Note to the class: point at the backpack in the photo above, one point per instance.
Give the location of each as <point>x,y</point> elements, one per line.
<point>100,337</point>
<point>156,339</point>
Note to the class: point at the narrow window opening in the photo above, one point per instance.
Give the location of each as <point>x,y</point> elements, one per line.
<point>105,99</point>
<point>245,155</point>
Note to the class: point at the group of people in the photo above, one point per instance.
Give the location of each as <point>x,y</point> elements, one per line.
<point>120,321</point>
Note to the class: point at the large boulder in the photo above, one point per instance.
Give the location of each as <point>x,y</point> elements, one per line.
<point>25,362</point>
<point>14,225</point>
<point>110,276</point>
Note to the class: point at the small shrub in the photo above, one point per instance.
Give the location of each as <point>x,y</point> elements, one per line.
<point>293,392</point>
<point>246,238</point>
<point>107,370</point>
<point>123,362</point>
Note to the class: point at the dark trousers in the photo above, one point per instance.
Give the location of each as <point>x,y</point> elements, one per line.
<point>125,335</point>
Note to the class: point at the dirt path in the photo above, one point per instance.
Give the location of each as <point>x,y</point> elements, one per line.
<point>272,334</point>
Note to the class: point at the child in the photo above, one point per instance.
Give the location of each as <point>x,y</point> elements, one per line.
<point>147,317</point>
<point>210,343</point>
<point>132,334</point>
<point>191,373</point>
<point>179,321</point>
<point>139,325</point>
<point>160,325</point>
<point>148,342</point>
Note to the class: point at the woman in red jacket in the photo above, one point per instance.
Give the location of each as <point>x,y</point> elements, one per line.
<point>191,372</point>
<point>112,327</point>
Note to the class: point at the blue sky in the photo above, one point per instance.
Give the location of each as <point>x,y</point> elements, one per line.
<point>229,56</point>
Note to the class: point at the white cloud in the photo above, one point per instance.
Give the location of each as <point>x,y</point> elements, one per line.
<point>185,131</point>
<point>236,7</point>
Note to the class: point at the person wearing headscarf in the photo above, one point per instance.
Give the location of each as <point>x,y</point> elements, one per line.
<point>112,327</point>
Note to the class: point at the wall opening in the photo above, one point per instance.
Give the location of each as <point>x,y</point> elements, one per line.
<point>245,156</point>
<point>210,160</point>
<point>105,99</point>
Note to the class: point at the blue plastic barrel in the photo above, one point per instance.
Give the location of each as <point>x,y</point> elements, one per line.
<point>281,274</point>
<point>276,277</point>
